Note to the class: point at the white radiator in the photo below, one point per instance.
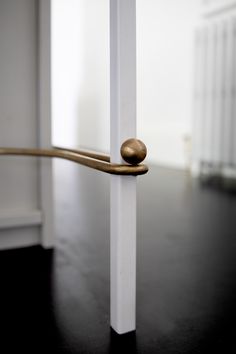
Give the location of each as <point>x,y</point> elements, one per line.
<point>214,131</point>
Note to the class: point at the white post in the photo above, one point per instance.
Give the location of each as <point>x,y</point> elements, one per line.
<point>45,137</point>
<point>123,188</point>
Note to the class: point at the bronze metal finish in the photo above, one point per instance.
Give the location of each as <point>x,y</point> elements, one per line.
<point>90,159</point>
<point>133,151</point>
<point>92,154</point>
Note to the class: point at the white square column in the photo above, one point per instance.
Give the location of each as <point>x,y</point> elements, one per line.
<point>45,122</point>
<point>123,188</point>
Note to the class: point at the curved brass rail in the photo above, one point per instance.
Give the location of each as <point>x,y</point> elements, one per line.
<point>93,154</point>
<point>93,160</point>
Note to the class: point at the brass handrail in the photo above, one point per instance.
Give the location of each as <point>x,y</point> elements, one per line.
<point>133,151</point>
<point>93,154</point>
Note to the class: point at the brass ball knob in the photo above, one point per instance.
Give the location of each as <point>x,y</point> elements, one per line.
<point>133,151</point>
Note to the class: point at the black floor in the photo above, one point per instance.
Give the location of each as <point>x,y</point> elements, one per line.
<point>58,301</point>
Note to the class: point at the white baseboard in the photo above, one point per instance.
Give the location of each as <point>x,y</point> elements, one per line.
<point>20,228</point>
<point>20,237</point>
<point>229,172</point>
<point>226,172</point>
<point>20,218</point>
<point>195,169</point>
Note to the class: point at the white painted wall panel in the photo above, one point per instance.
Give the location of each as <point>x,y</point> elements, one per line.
<point>165,40</point>
<point>20,217</point>
<point>80,73</point>
<point>18,107</point>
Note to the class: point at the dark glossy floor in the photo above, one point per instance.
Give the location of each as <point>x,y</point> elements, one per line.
<point>58,301</point>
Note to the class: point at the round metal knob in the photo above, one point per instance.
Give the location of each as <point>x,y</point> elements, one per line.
<point>133,151</point>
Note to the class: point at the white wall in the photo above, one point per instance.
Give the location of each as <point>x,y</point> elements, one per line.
<point>19,182</point>
<point>80,68</point>
<point>81,75</point>
<point>26,208</point>
<point>165,71</point>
